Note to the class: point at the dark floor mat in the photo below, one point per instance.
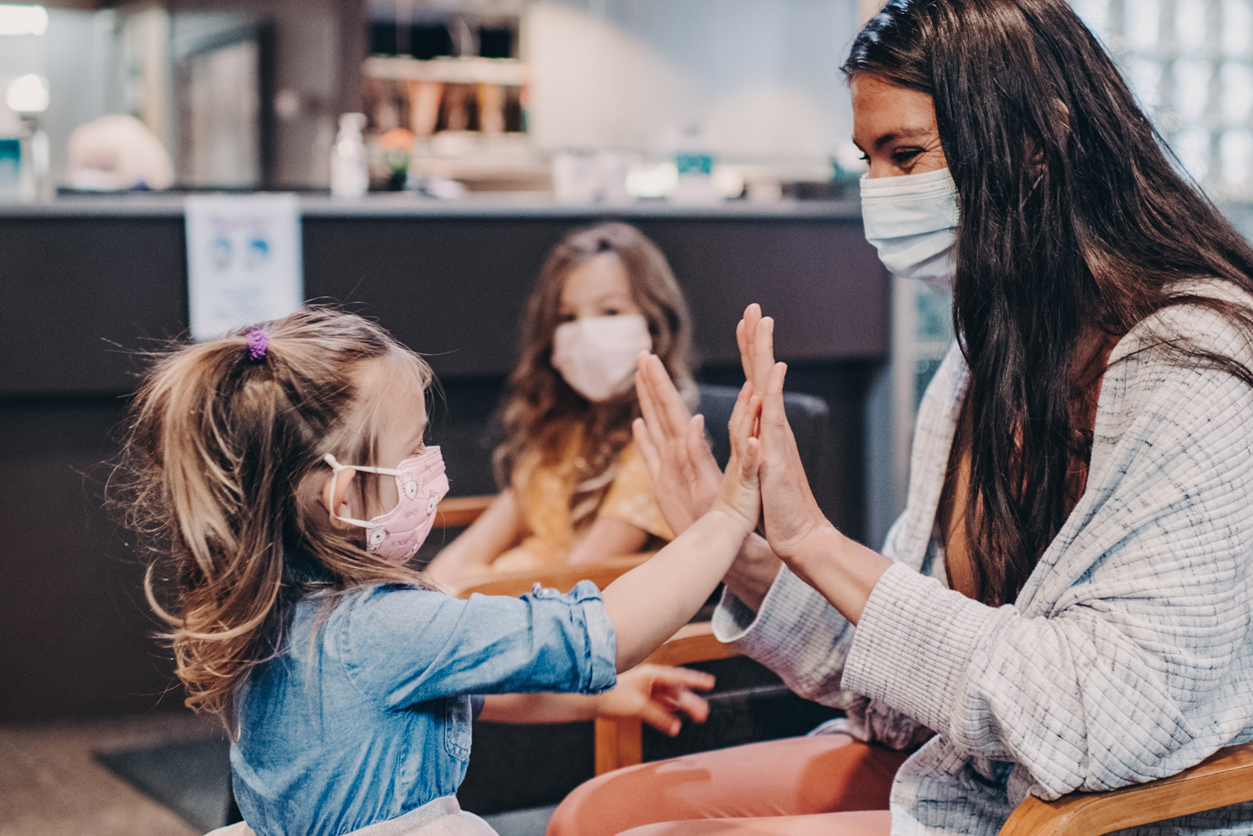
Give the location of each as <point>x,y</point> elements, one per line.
<point>192,779</point>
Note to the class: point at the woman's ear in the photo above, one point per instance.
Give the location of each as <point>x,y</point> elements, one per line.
<point>335,497</point>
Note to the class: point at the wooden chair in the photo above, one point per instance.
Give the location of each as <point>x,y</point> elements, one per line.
<point>1222,779</point>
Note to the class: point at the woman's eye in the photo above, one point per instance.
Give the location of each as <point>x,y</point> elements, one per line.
<point>565,317</point>
<point>610,312</point>
<point>904,155</point>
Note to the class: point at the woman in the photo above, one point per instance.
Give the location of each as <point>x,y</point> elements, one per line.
<point>1066,602</point>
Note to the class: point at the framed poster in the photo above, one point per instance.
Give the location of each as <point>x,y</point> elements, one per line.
<point>244,260</point>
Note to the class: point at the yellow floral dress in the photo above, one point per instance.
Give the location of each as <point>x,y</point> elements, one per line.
<point>544,494</point>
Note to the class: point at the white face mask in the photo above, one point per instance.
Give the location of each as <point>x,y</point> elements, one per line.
<point>596,355</point>
<point>912,222</point>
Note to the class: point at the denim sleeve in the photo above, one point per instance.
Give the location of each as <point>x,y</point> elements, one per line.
<point>400,646</point>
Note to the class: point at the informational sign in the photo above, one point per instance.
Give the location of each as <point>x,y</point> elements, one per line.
<point>243,260</point>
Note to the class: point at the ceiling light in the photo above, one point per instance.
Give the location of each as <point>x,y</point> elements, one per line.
<point>27,94</point>
<point>23,20</point>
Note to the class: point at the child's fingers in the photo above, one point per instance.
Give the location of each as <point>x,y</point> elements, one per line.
<point>660,719</point>
<point>693,705</point>
<point>648,451</point>
<point>750,460</point>
<point>697,445</point>
<point>644,391</point>
<point>666,399</point>
<point>743,418</point>
<point>686,677</point>
<point>655,393</point>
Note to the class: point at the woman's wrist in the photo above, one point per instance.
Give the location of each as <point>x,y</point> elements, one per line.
<point>753,572</point>
<point>844,571</point>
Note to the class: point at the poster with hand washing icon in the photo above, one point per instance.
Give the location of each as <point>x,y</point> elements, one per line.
<point>243,260</point>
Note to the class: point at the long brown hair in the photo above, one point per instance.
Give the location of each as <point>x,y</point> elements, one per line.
<point>541,410</point>
<point>1072,222</point>
<point>219,477</point>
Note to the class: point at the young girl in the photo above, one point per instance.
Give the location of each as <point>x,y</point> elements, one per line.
<point>282,470</point>
<point>575,489</point>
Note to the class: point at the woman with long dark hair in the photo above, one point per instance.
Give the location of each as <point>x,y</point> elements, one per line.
<point>1067,601</point>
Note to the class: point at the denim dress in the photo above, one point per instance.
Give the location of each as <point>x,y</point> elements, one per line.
<point>364,715</point>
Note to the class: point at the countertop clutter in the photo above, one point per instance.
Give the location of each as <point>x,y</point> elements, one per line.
<point>473,204</point>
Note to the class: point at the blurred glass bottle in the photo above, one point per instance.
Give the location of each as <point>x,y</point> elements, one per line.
<point>349,175</point>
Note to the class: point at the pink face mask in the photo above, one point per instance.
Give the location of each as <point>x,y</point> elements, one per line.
<point>421,483</point>
<point>596,355</point>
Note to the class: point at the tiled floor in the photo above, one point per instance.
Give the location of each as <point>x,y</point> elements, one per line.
<point>50,784</point>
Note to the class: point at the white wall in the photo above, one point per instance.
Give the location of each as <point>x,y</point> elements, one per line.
<point>755,79</point>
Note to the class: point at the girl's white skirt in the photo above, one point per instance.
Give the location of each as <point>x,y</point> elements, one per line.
<point>441,817</point>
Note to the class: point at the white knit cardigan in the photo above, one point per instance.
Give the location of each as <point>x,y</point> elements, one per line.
<point>1127,657</point>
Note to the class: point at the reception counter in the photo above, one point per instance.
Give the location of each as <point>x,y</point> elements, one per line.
<point>90,284</point>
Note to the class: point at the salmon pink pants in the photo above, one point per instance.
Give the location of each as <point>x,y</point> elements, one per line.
<point>826,784</point>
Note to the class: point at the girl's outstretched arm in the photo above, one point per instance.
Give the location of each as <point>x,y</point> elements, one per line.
<point>649,603</point>
<point>654,693</point>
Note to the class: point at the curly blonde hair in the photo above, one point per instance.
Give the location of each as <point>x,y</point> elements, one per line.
<point>219,468</point>
<point>541,411</point>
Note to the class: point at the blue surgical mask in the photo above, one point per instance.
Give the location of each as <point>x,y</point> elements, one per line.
<point>912,222</point>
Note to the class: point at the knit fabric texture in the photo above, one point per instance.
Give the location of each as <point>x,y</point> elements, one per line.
<point>1128,655</point>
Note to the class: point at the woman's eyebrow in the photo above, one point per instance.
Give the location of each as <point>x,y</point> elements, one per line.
<point>907,133</point>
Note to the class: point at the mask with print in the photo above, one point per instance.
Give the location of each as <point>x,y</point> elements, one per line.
<point>420,483</point>
<point>596,355</point>
<point>912,222</point>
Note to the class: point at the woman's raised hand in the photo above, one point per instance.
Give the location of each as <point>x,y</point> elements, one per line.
<point>672,443</point>
<point>755,335</point>
<point>790,513</point>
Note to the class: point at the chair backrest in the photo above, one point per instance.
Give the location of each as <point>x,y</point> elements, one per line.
<point>808,415</point>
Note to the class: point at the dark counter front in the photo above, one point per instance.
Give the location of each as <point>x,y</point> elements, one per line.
<point>90,285</point>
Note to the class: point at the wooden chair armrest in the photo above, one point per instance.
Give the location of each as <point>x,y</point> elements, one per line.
<point>694,642</point>
<point>619,742</point>
<point>459,511</point>
<point>1222,779</point>
<point>519,583</point>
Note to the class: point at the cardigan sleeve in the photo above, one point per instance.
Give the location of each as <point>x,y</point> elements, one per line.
<point>1123,658</point>
<point>805,640</point>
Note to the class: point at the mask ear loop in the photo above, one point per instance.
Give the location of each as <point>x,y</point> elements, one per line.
<point>336,467</point>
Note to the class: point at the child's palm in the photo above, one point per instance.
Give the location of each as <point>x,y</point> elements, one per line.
<point>740,492</point>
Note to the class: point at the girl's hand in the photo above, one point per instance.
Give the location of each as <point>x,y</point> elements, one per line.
<point>791,514</point>
<point>657,694</point>
<point>739,495</point>
<point>672,443</point>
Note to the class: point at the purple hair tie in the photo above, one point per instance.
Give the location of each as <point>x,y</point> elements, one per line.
<point>258,343</point>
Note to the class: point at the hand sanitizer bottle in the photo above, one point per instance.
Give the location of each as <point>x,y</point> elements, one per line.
<point>349,176</point>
